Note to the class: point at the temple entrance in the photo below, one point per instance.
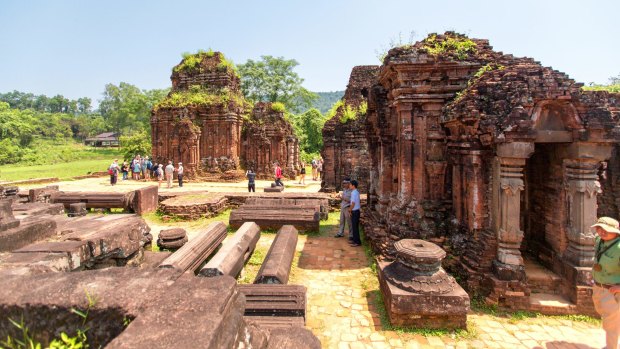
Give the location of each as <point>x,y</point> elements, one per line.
<point>542,219</point>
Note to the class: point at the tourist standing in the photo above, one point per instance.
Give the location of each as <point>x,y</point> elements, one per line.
<point>143,167</point>
<point>302,173</point>
<point>180,174</point>
<point>159,172</point>
<point>354,209</point>
<point>319,169</point>
<point>125,170</point>
<point>313,164</point>
<point>169,172</point>
<point>146,171</point>
<point>278,175</point>
<point>345,215</point>
<point>113,172</point>
<point>136,170</point>
<point>606,274</point>
<point>251,177</point>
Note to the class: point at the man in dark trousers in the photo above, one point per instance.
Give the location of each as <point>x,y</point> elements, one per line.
<point>180,171</point>
<point>251,177</point>
<point>354,208</point>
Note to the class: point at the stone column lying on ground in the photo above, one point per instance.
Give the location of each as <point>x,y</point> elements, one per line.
<point>140,201</point>
<point>196,251</point>
<point>230,259</point>
<point>277,264</point>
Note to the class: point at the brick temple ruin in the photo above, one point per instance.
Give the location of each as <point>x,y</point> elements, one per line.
<point>269,138</point>
<point>204,117</point>
<point>499,159</point>
<point>345,148</point>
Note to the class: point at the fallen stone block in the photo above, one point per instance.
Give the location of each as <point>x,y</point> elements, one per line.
<point>77,209</point>
<point>77,251</point>
<point>274,218</point>
<point>277,264</point>
<point>172,238</point>
<point>145,200</point>
<point>274,300</point>
<point>26,233</point>
<point>229,260</point>
<point>277,189</point>
<point>196,251</point>
<point>293,337</point>
<point>7,220</point>
<point>33,210</point>
<point>42,194</point>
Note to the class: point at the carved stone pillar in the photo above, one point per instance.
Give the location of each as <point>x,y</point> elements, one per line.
<point>405,149</point>
<point>511,160</point>
<point>581,185</point>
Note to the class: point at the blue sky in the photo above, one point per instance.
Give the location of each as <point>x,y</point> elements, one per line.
<point>75,47</point>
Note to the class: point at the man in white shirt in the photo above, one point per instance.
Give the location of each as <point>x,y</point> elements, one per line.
<point>169,171</point>
<point>355,214</point>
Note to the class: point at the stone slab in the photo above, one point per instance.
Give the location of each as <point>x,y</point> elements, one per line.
<point>274,300</point>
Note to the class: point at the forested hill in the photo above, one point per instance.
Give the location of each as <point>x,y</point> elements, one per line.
<point>326,100</point>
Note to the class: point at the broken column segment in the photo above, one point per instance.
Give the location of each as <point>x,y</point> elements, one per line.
<point>193,253</point>
<point>418,292</point>
<point>277,264</point>
<point>231,258</point>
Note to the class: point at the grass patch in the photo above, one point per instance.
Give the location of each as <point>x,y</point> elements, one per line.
<point>328,226</point>
<point>62,160</point>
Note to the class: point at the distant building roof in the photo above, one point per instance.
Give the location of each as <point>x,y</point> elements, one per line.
<point>106,136</point>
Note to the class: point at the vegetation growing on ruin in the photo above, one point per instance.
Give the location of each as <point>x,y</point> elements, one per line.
<point>458,45</point>
<point>347,111</point>
<point>278,107</point>
<point>199,96</point>
<point>192,62</point>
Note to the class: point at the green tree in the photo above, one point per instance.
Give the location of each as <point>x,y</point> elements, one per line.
<point>138,143</point>
<point>272,79</point>
<point>309,126</point>
<point>126,108</point>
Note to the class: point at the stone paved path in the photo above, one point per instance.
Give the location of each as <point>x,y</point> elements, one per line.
<point>341,289</point>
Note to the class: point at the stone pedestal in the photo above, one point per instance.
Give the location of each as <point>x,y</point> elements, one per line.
<point>77,209</point>
<point>418,292</point>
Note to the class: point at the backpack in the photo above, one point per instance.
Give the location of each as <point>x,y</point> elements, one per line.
<point>149,165</point>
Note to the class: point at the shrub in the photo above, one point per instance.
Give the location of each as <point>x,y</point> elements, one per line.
<point>278,107</point>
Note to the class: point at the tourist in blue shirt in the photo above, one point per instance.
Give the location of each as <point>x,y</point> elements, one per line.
<point>355,214</point>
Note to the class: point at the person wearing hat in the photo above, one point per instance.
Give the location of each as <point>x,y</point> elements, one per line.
<point>180,174</point>
<point>345,215</point>
<point>169,171</point>
<point>606,274</point>
<point>354,209</point>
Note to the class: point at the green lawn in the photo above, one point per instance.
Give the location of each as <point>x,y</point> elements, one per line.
<point>64,161</point>
<point>63,170</point>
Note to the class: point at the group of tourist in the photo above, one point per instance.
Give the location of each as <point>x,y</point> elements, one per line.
<point>144,168</point>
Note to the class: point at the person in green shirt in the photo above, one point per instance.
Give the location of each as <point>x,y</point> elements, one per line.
<point>606,274</point>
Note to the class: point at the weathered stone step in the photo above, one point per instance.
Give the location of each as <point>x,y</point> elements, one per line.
<point>541,279</point>
<point>229,260</point>
<point>551,304</point>
<point>274,300</point>
<point>196,251</point>
<point>277,264</point>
